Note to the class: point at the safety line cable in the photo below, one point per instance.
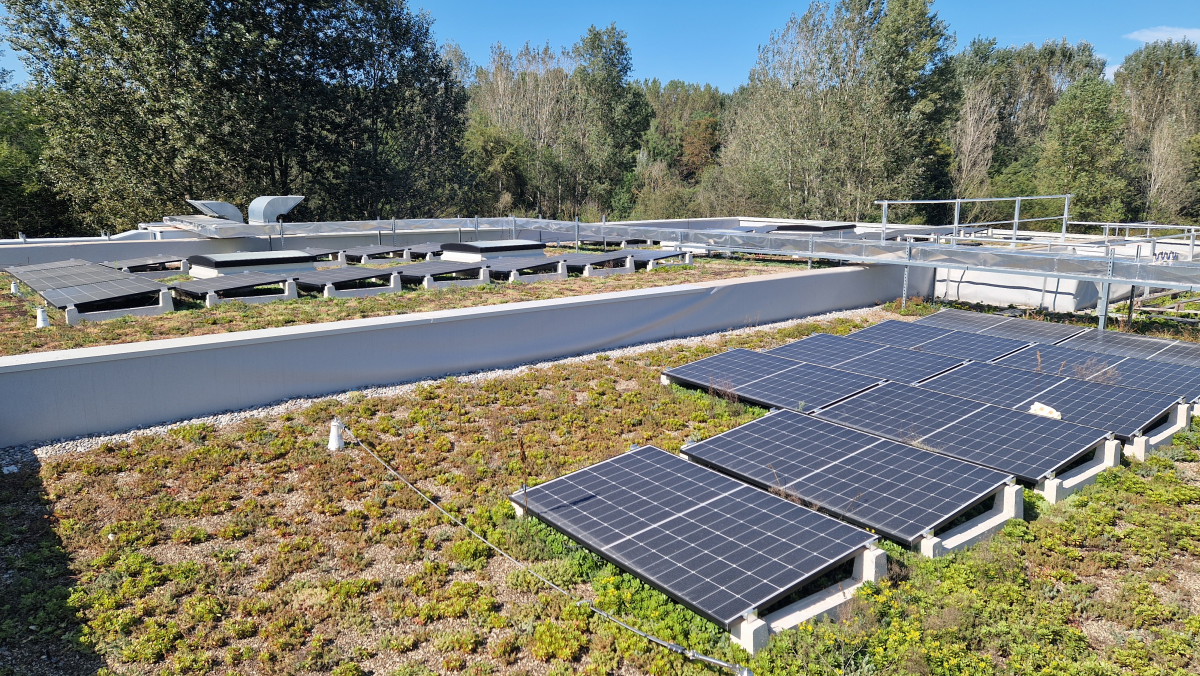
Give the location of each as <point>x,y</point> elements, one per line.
<point>737,669</point>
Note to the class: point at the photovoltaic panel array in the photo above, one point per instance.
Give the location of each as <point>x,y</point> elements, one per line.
<point>899,334</point>
<point>992,384</point>
<point>1121,410</point>
<point>803,387</point>
<point>316,280</point>
<point>1181,352</point>
<point>1141,374</point>
<point>936,340</point>
<point>578,261</point>
<point>145,263</point>
<point>899,365</point>
<point>359,254</point>
<point>81,283</point>
<point>824,349</point>
<point>971,346</point>
<point>898,490</point>
<point>415,273</point>
<point>1025,330</point>
<point>712,543</point>
<point>1027,446</point>
<point>1031,331</point>
<point>235,282</point>
<point>961,320</point>
<point>727,370</point>
<point>534,264</point>
<point>1120,344</point>
<point>900,412</point>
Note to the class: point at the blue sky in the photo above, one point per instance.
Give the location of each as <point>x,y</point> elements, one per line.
<point>717,42</point>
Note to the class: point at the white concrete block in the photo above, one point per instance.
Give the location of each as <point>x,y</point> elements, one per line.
<point>1178,421</point>
<point>1056,489</point>
<point>751,633</point>
<point>165,304</point>
<point>15,289</point>
<point>43,319</point>
<point>1010,504</point>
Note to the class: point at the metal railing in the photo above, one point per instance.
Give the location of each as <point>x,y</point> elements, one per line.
<point>958,202</point>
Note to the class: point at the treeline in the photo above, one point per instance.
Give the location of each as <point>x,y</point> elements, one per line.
<point>132,108</point>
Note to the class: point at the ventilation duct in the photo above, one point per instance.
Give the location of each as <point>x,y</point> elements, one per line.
<point>218,209</point>
<point>268,208</point>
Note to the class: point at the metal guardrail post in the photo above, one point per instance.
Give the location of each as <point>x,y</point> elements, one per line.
<point>957,213</point>
<point>1102,303</point>
<point>1066,215</point>
<point>576,234</point>
<point>603,237</point>
<point>812,248</point>
<point>1192,246</point>
<point>883,223</point>
<point>904,288</point>
<point>1016,220</point>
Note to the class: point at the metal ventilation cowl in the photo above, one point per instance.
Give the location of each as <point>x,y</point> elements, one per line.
<point>268,208</point>
<point>218,209</point>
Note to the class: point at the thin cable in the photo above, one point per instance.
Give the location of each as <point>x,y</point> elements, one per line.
<point>673,647</point>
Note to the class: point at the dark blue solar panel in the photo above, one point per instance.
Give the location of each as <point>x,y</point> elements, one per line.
<point>900,365</point>
<point>824,349</point>
<point>993,384</point>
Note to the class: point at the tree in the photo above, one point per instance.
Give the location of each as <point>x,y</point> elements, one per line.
<point>146,103</point>
<point>1159,88</point>
<point>1082,152</point>
<point>27,203</point>
<point>845,106</point>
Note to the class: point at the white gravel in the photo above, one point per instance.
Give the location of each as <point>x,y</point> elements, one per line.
<point>33,453</point>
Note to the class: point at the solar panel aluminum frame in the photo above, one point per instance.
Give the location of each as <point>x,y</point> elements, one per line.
<point>694,453</point>
<point>868,539</point>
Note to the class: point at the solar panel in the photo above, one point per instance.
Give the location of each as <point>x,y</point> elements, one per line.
<point>993,384</point>
<point>710,542</point>
<point>321,252</point>
<point>900,365</point>
<point>1028,446</point>
<point>416,272</point>
<point>1155,376</point>
<point>723,372</point>
<point>426,248</point>
<point>521,263</point>
<point>578,261</point>
<point>1120,410</point>
<point>361,253</point>
<point>319,278</point>
<point>241,280</point>
<point>971,346</point>
<point>898,334</point>
<point>804,387</point>
<point>1060,361</point>
<point>644,255</point>
<point>1031,331</point>
<point>79,283</point>
<point>900,412</point>
<point>897,490</point>
<point>1140,374</point>
<point>144,262</point>
<point>1122,344</point>
<point>1180,352</point>
<point>79,296</point>
<point>65,277</point>
<point>961,320</point>
<point>824,349</point>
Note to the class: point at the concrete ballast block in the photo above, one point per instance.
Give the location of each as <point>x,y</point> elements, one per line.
<point>1010,504</point>
<point>1055,489</point>
<point>1160,436</point>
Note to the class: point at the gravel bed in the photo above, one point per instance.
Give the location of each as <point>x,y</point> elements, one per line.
<point>14,458</point>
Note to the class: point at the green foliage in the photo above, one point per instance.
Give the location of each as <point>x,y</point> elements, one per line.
<point>554,640</point>
<point>469,552</point>
<point>28,203</point>
<point>1082,153</point>
<point>231,101</point>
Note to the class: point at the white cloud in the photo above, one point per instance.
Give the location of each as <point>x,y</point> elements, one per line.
<point>1164,33</point>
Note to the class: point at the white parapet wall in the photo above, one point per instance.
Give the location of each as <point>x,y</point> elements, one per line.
<point>1010,504</point>
<point>752,632</point>
<point>993,288</point>
<point>52,395</point>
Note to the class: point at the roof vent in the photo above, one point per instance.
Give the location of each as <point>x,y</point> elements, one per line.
<point>218,209</point>
<point>268,208</point>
